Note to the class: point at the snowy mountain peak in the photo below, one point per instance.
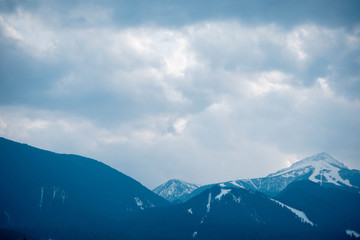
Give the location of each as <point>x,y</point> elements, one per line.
<point>320,157</point>
<point>175,189</point>
<point>176,181</point>
<point>322,168</point>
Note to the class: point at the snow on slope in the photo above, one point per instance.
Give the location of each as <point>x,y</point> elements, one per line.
<point>236,184</point>
<point>298,213</point>
<point>352,233</point>
<point>222,193</point>
<point>208,205</point>
<point>175,189</point>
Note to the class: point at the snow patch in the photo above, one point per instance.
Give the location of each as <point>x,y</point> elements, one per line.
<point>298,213</point>
<point>222,185</point>
<point>250,181</point>
<point>150,204</point>
<point>236,184</point>
<point>222,193</point>
<point>352,233</point>
<point>41,197</point>
<point>190,211</point>
<point>139,203</point>
<point>208,204</point>
<point>63,196</point>
<point>328,171</point>
<point>54,192</point>
<point>236,199</point>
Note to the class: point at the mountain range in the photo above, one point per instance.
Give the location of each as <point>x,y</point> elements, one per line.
<point>320,168</point>
<point>45,195</point>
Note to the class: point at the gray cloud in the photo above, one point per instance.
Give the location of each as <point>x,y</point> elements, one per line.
<point>204,93</point>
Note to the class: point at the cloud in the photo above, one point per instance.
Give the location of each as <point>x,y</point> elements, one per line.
<point>8,31</point>
<point>205,99</point>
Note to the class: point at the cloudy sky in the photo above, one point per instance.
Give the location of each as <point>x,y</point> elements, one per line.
<point>203,91</point>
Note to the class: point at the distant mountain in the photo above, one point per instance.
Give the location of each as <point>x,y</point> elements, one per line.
<point>320,168</point>
<point>331,207</point>
<point>45,190</point>
<point>175,190</point>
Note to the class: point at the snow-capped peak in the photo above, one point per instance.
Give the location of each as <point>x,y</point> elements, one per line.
<point>320,157</point>
<point>174,189</point>
<point>322,168</point>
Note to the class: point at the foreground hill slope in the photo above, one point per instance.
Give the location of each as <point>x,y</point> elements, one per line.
<point>42,189</point>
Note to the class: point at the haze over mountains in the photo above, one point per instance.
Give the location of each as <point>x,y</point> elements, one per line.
<point>46,195</point>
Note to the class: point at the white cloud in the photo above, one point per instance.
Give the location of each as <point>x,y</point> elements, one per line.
<point>266,82</point>
<point>32,34</point>
<point>180,125</point>
<point>323,83</point>
<point>295,43</point>
<point>9,31</point>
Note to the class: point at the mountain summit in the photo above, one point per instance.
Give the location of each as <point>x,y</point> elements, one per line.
<point>320,157</point>
<point>175,189</point>
<point>314,160</point>
<point>322,168</point>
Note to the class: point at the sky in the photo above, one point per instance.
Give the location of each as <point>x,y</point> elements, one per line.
<point>203,91</point>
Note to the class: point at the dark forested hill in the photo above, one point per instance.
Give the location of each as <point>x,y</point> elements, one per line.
<point>42,189</point>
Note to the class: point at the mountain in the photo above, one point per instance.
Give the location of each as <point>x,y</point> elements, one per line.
<point>45,190</point>
<point>175,190</point>
<point>331,207</point>
<point>230,213</point>
<point>45,195</point>
<point>320,168</point>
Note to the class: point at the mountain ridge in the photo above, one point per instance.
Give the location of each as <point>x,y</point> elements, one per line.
<point>321,168</point>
